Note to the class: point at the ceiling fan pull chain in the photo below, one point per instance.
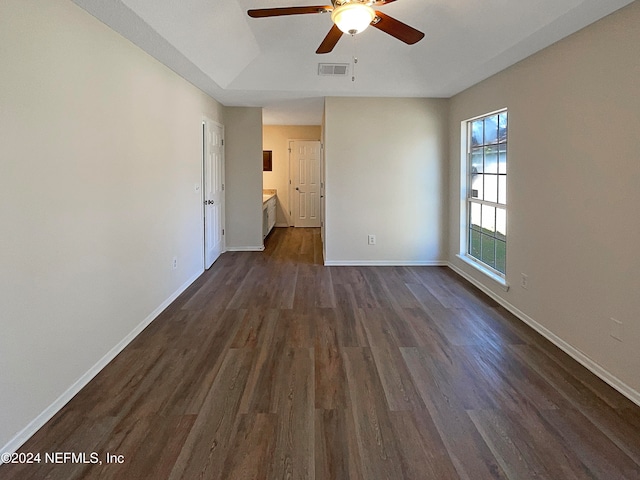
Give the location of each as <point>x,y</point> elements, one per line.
<point>354,58</point>
<point>353,76</point>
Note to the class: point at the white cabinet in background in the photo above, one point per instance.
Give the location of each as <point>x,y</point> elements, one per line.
<point>268,215</point>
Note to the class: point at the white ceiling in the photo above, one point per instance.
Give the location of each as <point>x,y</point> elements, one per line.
<point>271,62</point>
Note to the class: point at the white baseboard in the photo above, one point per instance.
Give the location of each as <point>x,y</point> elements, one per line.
<point>19,439</point>
<point>384,263</point>
<point>629,392</point>
<point>246,249</point>
<point>27,432</point>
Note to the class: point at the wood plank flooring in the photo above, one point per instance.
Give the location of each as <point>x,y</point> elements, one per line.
<point>271,366</point>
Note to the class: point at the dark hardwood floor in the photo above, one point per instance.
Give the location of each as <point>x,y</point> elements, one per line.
<point>272,366</point>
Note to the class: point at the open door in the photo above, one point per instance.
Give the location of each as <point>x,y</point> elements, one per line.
<point>213,190</point>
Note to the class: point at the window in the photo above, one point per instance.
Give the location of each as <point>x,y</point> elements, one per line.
<point>486,192</point>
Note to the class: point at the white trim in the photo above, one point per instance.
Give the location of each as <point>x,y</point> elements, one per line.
<point>27,432</point>
<point>466,200</point>
<point>500,110</point>
<point>206,119</point>
<point>500,280</point>
<point>290,142</point>
<point>573,352</point>
<point>202,188</point>
<point>246,249</point>
<point>385,263</point>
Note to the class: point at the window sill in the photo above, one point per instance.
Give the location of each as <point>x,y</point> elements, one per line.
<point>493,276</point>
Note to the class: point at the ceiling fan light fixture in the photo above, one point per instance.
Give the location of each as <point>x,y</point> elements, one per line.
<point>353,18</point>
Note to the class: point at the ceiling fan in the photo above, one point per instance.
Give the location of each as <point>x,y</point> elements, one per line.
<point>349,16</point>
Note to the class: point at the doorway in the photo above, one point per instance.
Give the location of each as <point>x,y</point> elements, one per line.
<point>305,180</point>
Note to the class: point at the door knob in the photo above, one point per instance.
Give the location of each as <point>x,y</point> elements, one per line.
<point>297,189</point>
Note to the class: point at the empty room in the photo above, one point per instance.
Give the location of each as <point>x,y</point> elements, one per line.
<point>372,239</point>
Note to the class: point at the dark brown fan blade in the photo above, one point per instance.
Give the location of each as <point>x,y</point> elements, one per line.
<point>397,29</point>
<point>276,12</point>
<point>330,40</point>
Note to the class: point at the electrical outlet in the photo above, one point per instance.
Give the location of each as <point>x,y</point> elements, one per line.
<point>174,264</point>
<point>371,240</point>
<point>524,280</point>
<point>616,329</point>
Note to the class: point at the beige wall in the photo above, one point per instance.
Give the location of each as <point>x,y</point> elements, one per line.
<point>243,176</point>
<point>276,138</point>
<point>386,175</point>
<point>100,153</point>
<point>573,188</point>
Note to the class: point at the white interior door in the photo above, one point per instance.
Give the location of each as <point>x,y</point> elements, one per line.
<point>213,187</point>
<point>305,182</point>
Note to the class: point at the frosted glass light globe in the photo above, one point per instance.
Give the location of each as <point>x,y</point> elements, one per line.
<point>353,18</point>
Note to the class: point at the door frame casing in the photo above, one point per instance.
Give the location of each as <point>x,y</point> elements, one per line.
<point>321,177</point>
<point>205,120</point>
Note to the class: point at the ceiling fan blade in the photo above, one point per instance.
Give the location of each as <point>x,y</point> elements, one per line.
<point>330,40</point>
<point>277,12</point>
<point>397,29</point>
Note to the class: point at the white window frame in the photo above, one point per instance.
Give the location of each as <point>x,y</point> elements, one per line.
<point>487,270</point>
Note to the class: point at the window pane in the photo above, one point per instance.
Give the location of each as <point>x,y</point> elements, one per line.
<point>477,186</point>
<point>474,243</point>
<point>501,223</point>
<point>488,219</point>
<point>476,219</point>
<point>491,188</point>
<point>477,133</point>
<point>502,189</point>
<point>501,256</point>
<point>491,159</point>
<point>491,129</point>
<point>502,127</point>
<point>476,160</point>
<point>489,250</point>
<point>502,161</point>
